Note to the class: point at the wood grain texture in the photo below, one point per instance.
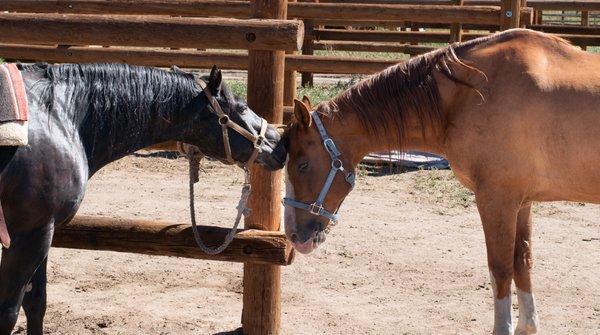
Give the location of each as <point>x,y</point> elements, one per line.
<point>385,36</point>
<point>262,283</point>
<point>241,9</point>
<point>456,28</point>
<point>171,239</point>
<point>185,58</point>
<point>373,47</point>
<point>412,13</point>
<point>214,8</point>
<point>289,80</point>
<point>150,31</point>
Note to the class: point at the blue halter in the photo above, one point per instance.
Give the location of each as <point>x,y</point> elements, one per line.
<point>316,208</point>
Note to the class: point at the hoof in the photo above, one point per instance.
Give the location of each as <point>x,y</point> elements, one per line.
<point>503,330</point>
<point>526,328</point>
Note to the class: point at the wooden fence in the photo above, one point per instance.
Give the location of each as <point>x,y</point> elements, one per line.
<point>262,247</point>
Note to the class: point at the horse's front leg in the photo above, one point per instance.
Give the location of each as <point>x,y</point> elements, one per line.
<point>499,218</point>
<point>34,302</point>
<point>528,319</point>
<point>19,263</point>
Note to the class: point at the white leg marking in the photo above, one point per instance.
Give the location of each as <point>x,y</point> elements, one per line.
<point>28,288</point>
<point>528,318</point>
<point>502,312</point>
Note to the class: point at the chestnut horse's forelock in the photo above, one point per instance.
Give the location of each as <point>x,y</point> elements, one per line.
<point>400,90</point>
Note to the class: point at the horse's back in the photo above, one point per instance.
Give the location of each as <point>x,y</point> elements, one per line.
<point>541,116</point>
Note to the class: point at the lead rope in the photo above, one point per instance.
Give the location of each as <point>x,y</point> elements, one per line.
<point>194,158</point>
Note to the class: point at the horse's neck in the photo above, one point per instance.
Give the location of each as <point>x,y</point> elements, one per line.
<point>356,142</point>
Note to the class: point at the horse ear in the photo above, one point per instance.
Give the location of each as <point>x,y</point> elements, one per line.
<point>215,79</point>
<point>302,113</point>
<point>307,102</point>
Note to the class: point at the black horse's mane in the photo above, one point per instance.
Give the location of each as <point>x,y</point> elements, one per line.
<point>116,93</point>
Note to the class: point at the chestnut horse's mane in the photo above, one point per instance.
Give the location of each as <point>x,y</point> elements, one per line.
<point>380,101</point>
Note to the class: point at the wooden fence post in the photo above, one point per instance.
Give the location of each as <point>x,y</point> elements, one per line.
<point>456,28</point>
<point>511,13</point>
<point>308,48</point>
<point>289,82</point>
<point>585,21</point>
<point>262,283</point>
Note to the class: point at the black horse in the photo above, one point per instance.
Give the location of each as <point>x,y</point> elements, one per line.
<point>83,117</point>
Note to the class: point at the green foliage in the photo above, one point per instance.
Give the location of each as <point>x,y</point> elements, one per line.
<point>322,92</point>
<point>317,93</point>
<point>239,88</point>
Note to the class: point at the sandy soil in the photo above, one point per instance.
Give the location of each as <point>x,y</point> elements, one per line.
<point>404,260</point>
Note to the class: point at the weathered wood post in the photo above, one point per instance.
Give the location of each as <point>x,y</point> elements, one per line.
<point>289,82</point>
<point>308,48</point>
<point>511,14</point>
<point>262,283</point>
<point>585,21</point>
<point>456,28</point>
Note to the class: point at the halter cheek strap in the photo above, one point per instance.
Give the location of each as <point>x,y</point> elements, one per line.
<point>316,208</point>
<point>226,123</point>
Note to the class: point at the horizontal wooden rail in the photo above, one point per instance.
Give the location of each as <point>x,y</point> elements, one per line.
<point>214,8</point>
<point>413,13</point>
<point>184,58</point>
<point>151,31</point>
<point>241,9</point>
<point>564,29</point>
<point>373,47</point>
<point>171,239</point>
<point>422,36</point>
<point>569,5</point>
<point>536,4</point>
<point>441,13</point>
<point>526,17</point>
<point>385,36</point>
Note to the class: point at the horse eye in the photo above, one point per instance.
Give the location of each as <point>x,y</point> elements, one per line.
<point>303,166</point>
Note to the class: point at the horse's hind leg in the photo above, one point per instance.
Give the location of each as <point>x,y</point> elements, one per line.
<point>528,319</point>
<point>34,302</point>
<point>499,218</point>
<point>18,265</point>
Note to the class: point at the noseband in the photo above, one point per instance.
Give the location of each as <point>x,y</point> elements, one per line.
<point>316,208</point>
<point>226,123</point>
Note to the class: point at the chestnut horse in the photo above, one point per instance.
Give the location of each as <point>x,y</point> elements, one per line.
<point>517,115</point>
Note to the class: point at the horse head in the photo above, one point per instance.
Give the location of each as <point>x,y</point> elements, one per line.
<point>319,179</point>
<point>228,130</point>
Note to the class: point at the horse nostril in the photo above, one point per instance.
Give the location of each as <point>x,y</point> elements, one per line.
<point>294,238</point>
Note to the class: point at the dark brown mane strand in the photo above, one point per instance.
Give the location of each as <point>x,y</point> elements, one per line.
<point>382,101</point>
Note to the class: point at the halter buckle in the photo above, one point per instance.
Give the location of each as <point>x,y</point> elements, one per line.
<point>223,120</point>
<point>331,148</point>
<point>315,209</point>
<point>337,164</point>
<point>259,141</point>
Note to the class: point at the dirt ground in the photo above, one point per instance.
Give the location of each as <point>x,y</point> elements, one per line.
<point>407,258</point>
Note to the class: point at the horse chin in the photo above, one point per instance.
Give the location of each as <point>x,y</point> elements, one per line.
<point>310,245</point>
<point>306,247</point>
